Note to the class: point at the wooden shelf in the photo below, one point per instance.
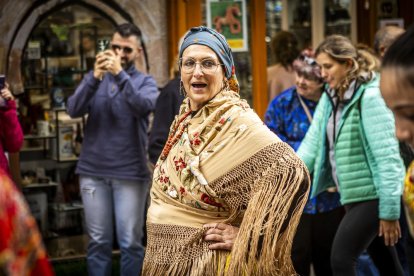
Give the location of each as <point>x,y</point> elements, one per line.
<point>40,185</point>
<point>66,159</point>
<point>36,137</point>
<point>34,87</point>
<point>66,206</point>
<point>29,149</point>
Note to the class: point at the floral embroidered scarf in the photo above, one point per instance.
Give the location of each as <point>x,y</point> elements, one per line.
<point>21,248</point>
<point>408,197</point>
<point>227,166</point>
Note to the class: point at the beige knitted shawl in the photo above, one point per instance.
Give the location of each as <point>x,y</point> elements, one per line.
<point>226,167</point>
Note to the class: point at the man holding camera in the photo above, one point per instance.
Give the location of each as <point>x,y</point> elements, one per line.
<point>114,178</point>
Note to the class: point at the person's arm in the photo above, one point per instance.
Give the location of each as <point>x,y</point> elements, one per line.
<point>11,132</point>
<point>274,119</point>
<point>79,102</point>
<point>141,95</point>
<point>14,165</point>
<point>140,91</point>
<point>309,149</point>
<point>388,175</point>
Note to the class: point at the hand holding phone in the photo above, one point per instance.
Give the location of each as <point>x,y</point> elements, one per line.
<point>99,68</point>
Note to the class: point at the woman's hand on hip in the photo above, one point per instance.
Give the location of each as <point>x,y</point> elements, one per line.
<point>391,231</point>
<point>222,236</point>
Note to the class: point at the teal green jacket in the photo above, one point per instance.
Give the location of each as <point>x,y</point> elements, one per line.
<point>368,163</point>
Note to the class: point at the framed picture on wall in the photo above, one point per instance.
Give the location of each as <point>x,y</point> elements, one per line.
<point>399,22</point>
<point>229,19</point>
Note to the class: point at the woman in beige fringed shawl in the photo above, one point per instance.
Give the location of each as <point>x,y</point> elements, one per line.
<point>227,194</point>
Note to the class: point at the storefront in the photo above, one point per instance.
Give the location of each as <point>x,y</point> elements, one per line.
<point>45,50</point>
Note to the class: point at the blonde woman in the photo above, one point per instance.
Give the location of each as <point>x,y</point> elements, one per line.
<point>351,145</point>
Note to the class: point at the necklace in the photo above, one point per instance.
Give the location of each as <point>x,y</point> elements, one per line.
<point>175,135</point>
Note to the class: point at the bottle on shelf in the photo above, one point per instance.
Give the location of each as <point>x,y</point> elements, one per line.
<point>43,124</point>
<point>78,139</point>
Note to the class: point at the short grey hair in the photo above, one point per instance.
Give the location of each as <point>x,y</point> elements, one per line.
<point>385,37</point>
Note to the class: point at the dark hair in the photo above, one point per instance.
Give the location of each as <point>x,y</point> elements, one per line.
<point>401,52</point>
<point>400,55</point>
<point>285,48</point>
<point>128,29</point>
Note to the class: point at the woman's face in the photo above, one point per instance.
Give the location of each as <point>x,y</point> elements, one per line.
<point>308,89</point>
<point>201,86</point>
<point>399,97</point>
<point>332,71</point>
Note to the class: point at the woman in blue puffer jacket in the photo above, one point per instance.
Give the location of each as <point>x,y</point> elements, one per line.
<point>351,145</point>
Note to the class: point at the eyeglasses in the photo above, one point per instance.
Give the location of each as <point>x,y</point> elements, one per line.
<point>126,50</point>
<point>208,66</point>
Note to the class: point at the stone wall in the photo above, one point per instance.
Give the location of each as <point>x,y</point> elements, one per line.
<point>16,23</point>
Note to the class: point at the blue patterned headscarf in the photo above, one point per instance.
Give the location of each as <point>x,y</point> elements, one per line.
<point>215,41</point>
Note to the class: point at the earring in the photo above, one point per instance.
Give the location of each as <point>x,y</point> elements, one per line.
<point>225,85</point>
<point>182,90</point>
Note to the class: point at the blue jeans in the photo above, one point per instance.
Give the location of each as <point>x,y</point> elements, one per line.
<point>105,199</point>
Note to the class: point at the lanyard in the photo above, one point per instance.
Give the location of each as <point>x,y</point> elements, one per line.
<point>305,107</point>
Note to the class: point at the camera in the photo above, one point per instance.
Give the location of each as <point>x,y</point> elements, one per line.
<point>102,45</point>
<point>2,81</point>
<point>2,85</point>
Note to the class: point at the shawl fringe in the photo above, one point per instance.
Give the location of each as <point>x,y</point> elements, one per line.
<point>275,184</point>
<point>180,250</point>
<point>269,191</point>
<point>212,262</point>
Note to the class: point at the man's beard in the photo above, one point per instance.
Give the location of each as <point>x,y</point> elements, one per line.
<point>126,64</point>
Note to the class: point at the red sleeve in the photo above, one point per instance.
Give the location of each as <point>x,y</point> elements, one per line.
<point>11,131</point>
<point>42,267</point>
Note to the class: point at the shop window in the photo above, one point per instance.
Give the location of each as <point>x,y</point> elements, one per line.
<point>59,51</point>
<point>300,22</point>
<point>337,17</point>
<point>273,24</point>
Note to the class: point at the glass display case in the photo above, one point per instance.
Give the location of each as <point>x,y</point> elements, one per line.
<point>300,21</point>
<point>273,18</point>
<point>273,23</point>
<point>312,21</point>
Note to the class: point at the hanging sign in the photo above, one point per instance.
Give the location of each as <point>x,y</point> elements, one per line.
<point>229,19</point>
